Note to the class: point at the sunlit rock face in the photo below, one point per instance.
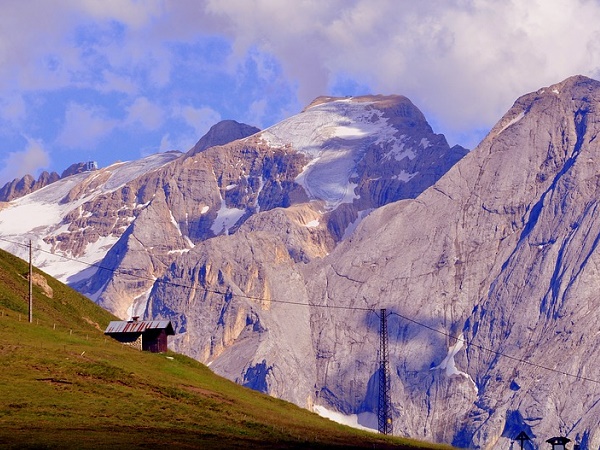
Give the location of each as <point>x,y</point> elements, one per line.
<point>487,267</point>
<point>501,251</point>
<point>231,240</point>
<point>324,171</point>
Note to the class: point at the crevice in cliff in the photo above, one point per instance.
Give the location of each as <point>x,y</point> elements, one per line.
<point>346,277</point>
<point>580,120</point>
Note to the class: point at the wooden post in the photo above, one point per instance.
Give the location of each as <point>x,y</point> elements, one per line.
<point>30,284</point>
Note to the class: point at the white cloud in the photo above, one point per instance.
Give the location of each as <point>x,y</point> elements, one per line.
<point>142,111</point>
<point>256,112</point>
<point>464,62</point>
<point>13,108</point>
<point>200,119</point>
<point>84,126</point>
<point>131,12</point>
<point>28,161</point>
<point>165,144</point>
<point>118,83</point>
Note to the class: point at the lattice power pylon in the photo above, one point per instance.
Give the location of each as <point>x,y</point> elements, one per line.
<point>384,410</point>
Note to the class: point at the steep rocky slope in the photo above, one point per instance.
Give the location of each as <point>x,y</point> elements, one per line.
<point>23,186</point>
<point>215,239</point>
<point>502,251</point>
<point>489,277</point>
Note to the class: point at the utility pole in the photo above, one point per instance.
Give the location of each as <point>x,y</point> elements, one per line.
<point>384,410</point>
<point>30,284</point>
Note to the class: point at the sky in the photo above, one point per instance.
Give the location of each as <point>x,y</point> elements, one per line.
<point>116,80</point>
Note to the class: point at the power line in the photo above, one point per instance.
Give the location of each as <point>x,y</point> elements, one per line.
<point>187,286</point>
<point>339,307</point>
<point>496,352</point>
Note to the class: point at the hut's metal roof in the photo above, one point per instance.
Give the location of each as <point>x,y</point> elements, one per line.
<point>139,326</point>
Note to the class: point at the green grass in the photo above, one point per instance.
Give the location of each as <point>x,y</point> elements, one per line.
<point>63,384</point>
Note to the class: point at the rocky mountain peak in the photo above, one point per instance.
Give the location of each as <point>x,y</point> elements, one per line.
<point>215,239</point>
<point>575,96</point>
<point>222,133</point>
<point>398,109</point>
<point>23,186</point>
<point>575,82</point>
<point>497,262</point>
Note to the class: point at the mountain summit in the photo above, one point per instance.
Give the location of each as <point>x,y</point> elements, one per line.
<point>231,241</point>
<point>490,277</point>
<point>222,133</point>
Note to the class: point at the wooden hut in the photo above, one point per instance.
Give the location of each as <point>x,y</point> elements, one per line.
<point>146,335</point>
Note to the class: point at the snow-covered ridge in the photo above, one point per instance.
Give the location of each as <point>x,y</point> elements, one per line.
<point>334,135</point>
<point>39,215</point>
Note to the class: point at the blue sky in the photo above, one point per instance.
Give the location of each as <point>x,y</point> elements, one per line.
<point>110,80</point>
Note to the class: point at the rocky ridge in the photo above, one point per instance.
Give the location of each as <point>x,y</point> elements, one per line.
<point>26,185</point>
<point>489,277</point>
<point>239,227</point>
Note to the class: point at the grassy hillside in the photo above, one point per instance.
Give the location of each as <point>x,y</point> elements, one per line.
<point>63,384</point>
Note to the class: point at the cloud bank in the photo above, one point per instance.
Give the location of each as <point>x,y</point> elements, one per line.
<point>29,161</point>
<point>463,61</point>
<point>123,74</point>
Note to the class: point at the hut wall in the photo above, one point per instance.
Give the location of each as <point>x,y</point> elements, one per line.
<point>155,341</point>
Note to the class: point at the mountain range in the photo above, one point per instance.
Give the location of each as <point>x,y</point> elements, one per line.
<point>274,253</point>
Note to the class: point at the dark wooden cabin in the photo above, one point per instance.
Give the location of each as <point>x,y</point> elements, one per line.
<point>146,335</point>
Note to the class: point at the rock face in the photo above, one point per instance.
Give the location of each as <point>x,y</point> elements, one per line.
<point>20,187</point>
<point>231,242</point>
<point>223,133</point>
<point>501,252</point>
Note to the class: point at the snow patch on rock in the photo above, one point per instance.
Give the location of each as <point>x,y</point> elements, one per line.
<point>512,122</point>
<point>138,307</point>
<point>449,365</point>
<point>353,420</point>
<point>404,176</point>
<point>226,218</point>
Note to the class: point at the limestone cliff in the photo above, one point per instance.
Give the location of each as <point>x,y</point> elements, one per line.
<point>501,252</point>
<point>23,186</point>
<point>489,277</point>
<point>231,242</point>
